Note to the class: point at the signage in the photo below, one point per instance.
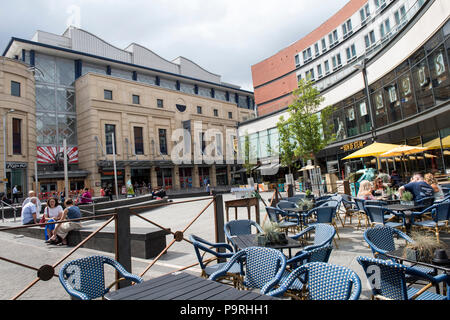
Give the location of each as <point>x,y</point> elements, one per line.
<point>353,145</point>
<point>52,155</point>
<point>16,165</point>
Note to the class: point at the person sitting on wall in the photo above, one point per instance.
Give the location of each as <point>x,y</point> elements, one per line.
<point>61,231</point>
<point>86,197</point>
<point>29,215</point>
<point>159,193</point>
<point>32,194</point>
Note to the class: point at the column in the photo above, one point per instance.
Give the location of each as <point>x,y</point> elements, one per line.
<point>195,177</point>
<point>229,174</point>
<point>212,175</point>
<point>153,177</point>
<point>176,178</point>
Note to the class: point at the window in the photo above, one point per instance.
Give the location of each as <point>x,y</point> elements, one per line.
<point>347,28</point>
<point>216,113</point>
<point>17,135</point>
<point>15,89</point>
<point>380,4</point>
<point>369,39</point>
<point>336,60</point>
<point>136,99</point>
<point>307,55</point>
<point>199,110</point>
<point>364,13</point>
<point>230,115</point>
<point>333,38</point>
<point>327,67</point>
<point>324,45</point>
<point>310,75</point>
<point>319,71</point>
<point>351,53</point>
<point>108,95</point>
<point>316,49</point>
<point>400,16</point>
<point>297,60</point>
<point>160,103</point>
<point>138,141</point>
<point>181,107</point>
<point>299,77</point>
<point>163,141</point>
<point>110,129</point>
<point>385,29</point>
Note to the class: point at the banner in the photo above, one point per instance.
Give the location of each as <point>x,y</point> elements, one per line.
<point>51,155</point>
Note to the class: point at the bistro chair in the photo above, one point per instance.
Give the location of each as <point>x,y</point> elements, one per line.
<point>323,235</point>
<point>362,214</point>
<point>381,216</point>
<point>296,198</point>
<point>350,209</point>
<point>283,204</point>
<point>428,201</point>
<point>381,240</point>
<point>263,267</point>
<point>439,218</point>
<point>285,220</point>
<point>387,280</point>
<point>324,214</point>
<point>239,227</point>
<point>322,281</point>
<point>84,278</point>
<point>201,245</point>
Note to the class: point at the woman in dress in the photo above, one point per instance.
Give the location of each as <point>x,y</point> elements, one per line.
<point>52,213</point>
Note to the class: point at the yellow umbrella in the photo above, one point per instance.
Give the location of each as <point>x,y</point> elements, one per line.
<point>402,151</point>
<point>373,150</point>
<point>436,143</point>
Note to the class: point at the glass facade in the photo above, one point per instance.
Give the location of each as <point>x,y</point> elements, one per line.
<point>421,82</point>
<point>55,101</point>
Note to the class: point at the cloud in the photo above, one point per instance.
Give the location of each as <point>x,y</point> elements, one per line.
<point>224,37</point>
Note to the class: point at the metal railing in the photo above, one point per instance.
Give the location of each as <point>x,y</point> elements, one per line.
<point>3,203</point>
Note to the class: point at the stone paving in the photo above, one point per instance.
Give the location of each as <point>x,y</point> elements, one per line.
<point>176,217</point>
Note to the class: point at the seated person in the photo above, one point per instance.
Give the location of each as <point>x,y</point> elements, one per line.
<point>418,187</point>
<point>384,177</point>
<point>396,180</point>
<point>86,197</point>
<point>431,180</point>
<point>159,193</point>
<point>378,187</point>
<point>365,190</point>
<point>29,215</point>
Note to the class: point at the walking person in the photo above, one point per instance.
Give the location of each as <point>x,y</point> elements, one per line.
<point>15,192</point>
<point>61,231</point>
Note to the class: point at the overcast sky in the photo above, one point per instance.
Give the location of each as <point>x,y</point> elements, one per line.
<point>225,37</point>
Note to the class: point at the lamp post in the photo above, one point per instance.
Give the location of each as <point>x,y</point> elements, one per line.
<point>363,68</point>
<point>5,187</point>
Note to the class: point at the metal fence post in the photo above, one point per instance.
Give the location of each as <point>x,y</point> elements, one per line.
<point>219,221</point>
<point>123,242</point>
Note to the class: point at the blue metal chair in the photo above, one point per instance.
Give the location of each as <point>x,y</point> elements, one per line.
<point>387,280</point>
<point>324,234</point>
<point>285,220</point>
<point>381,240</point>
<point>440,214</point>
<point>263,267</point>
<point>428,201</point>
<point>296,198</point>
<point>324,214</point>
<point>207,247</point>
<point>240,227</point>
<point>324,281</point>
<point>84,278</point>
<point>283,204</point>
<point>362,214</point>
<point>381,215</point>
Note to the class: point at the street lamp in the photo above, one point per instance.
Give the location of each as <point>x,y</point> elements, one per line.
<point>363,68</point>
<point>5,189</point>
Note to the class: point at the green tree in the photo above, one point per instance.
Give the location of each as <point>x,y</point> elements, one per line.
<point>249,155</point>
<point>310,129</point>
<point>287,145</point>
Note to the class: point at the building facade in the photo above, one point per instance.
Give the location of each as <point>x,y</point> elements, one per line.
<point>17,104</point>
<point>403,48</point>
<point>86,90</point>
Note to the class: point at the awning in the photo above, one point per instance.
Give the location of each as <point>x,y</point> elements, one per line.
<point>373,150</point>
<point>60,174</point>
<point>269,169</point>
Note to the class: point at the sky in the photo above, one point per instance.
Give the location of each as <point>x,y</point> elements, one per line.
<point>223,37</point>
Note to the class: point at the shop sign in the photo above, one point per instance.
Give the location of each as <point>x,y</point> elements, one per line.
<point>16,165</point>
<point>353,145</point>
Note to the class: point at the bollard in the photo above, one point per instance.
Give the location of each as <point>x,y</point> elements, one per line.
<point>123,243</point>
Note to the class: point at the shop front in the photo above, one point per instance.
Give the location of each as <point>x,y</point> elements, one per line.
<point>16,173</point>
<point>108,179</point>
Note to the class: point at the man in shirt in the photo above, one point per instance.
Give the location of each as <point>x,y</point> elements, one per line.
<point>15,192</point>
<point>29,215</point>
<point>418,187</point>
<point>32,194</point>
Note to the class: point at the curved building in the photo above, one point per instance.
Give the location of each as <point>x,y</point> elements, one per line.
<point>403,48</point>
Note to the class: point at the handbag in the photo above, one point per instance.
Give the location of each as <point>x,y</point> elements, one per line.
<point>42,221</point>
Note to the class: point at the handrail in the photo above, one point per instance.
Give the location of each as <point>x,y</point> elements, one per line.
<point>3,210</point>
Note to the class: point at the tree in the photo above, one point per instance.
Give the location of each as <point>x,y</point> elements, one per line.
<point>287,146</point>
<point>249,155</point>
<point>309,129</point>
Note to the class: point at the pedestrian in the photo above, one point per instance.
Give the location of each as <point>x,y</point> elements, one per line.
<point>15,192</point>
<point>102,192</point>
<point>61,231</point>
<point>108,193</point>
<point>29,215</point>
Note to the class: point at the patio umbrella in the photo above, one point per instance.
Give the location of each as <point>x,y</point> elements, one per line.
<point>402,151</point>
<point>308,167</point>
<point>436,143</point>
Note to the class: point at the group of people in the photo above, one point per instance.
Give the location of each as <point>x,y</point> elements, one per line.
<point>419,186</point>
<point>55,233</point>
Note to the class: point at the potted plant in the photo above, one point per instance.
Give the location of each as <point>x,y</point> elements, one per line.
<point>423,247</point>
<point>309,194</point>
<point>390,192</point>
<point>271,235</point>
<point>305,204</point>
<point>407,198</point>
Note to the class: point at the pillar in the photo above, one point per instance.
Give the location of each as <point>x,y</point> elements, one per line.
<point>229,174</point>
<point>153,177</point>
<point>212,176</point>
<point>195,177</point>
<point>176,178</point>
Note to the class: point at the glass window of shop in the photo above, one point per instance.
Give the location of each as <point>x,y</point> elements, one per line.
<point>406,92</point>
<point>164,176</point>
<point>350,117</point>
<point>339,123</point>
<point>264,144</point>
<point>185,177</point>
<point>438,63</point>
<point>203,175</point>
<point>273,138</point>
<point>391,98</point>
<point>362,112</point>
<point>221,175</point>
<point>378,104</point>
